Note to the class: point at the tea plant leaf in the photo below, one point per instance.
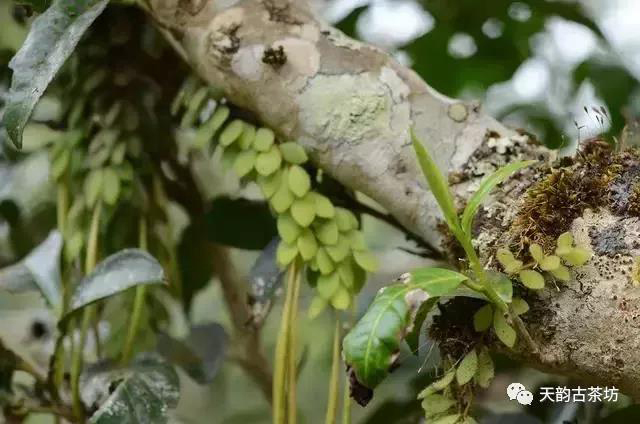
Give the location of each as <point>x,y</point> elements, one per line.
<point>509,263</point>
<point>268,162</point>
<point>52,38</point>
<point>40,269</point>
<point>324,207</point>
<point>467,368</point>
<point>286,253</point>
<point>328,233</point>
<point>200,355</point>
<point>502,285</point>
<point>118,272</point>
<point>141,393</point>
<point>437,183</point>
<point>562,273</point>
<point>485,188</point>
<point>564,243</point>
<point>307,245</point>
<point>370,346</point>
<point>550,263</point>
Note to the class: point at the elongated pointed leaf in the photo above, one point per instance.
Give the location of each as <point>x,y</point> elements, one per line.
<point>437,183</point>
<point>52,38</point>
<point>141,393</point>
<point>118,272</point>
<point>485,188</point>
<point>369,348</point>
<point>39,270</point>
<point>200,354</point>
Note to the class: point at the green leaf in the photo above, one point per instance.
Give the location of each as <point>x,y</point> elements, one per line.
<point>531,279</point>
<point>269,162</point>
<point>317,306</point>
<point>413,337</point>
<point>340,250</point>
<point>304,211</point>
<point>231,133</point>
<point>562,273</point>
<point>206,131</point>
<point>111,186</point>
<point>40,269</point>
<point>93,184</point>
<point>577,256</point>
<point>482,318</point>
<point>324,207</point>
<point>435,404</point>
<point>200,355</point>
<point>435,281</point>
<point>299,181</point>
<point>288,229</point>
<point>328,285</point>
<point>504,331</point>
<point>502,285</point>
<point>283,198</point>
<point>341,299</point>
<point>244,163</point>
<point>366,260</point>
<point>307,245</point>
<point>519,306</point>
<point>550,263</point>
<point>327,232</point>
<point>564,243</point>
<point>270,184</point>
<point>325,264</point>
<point>115,274</point>
<point>286,253</point>
<point>486,371</point>
<point>467,368</point>
<point>52,38</point>
<point>263,140</point>
<point>370,346</point>
<point>485,188</point>
<point>536,252</point>
<point>141,393</point>
<point>437,183</point>
<point>449,419</point>
<point>293,153</point>
<point>345,219</point>
<point>438,385</point>
<point>240,223</point>
<point>248,136</point>
<point>509,263</point>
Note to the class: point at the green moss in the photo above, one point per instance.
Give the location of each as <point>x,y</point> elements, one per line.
<point>596,177</point>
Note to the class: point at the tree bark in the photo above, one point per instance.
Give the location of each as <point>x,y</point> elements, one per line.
<point>351,105</point>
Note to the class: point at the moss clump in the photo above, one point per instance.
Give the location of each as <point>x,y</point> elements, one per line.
<point>596,177</point>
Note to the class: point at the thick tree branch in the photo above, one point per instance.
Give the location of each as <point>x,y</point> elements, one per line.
<point>351,105</point>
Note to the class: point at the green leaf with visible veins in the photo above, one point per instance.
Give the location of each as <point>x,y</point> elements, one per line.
<point>370,346</point>
<point>117,273</point>
<point>142,393</point>
<point>52,38</point>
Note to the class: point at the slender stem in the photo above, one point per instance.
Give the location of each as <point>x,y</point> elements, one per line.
<point>292,354</point>
<point>523,331</point>
<point>87,314</point>
<point>280,365</point>
<point>138,302</point>
<point>56,375</point>
<point>346,402</point>
<point>334,389</point>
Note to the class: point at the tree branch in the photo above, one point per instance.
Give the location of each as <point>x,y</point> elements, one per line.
<point>351,106</point>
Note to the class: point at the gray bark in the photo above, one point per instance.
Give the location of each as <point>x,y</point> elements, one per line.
<point>351,105</point>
